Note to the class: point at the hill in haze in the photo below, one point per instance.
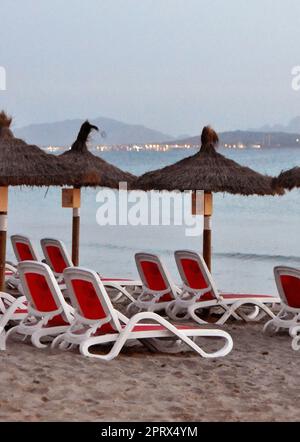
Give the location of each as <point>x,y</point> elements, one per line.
<point>63,133</point>
<point>292,127</point>
<point>250,138</point>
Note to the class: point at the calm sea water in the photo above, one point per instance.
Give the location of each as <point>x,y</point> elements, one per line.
<point>250,234</point>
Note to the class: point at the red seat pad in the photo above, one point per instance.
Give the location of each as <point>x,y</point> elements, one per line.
<point>237,296</point>
<point>157,327</point>
<point>147,327</point>
<point>21,311</point>
<point>56,258</point>
<point>24,252</point>
<point>57,321</point>
<point>114,279</point>
<point>244,295</point>
<point>155,280</point>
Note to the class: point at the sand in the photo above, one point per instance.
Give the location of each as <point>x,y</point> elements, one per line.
<point>258,381</point>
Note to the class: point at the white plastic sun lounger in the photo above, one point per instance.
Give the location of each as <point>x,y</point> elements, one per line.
<point>97,322</point>
<point>200,292</point>
<point>48,314</point>
<point>288,285</point>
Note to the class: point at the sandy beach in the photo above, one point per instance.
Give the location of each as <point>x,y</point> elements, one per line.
<point>258,381</point>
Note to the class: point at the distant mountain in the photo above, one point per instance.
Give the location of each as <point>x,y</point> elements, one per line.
<point>292,127</point>
<point>250,138</point>
<point>63,133</point>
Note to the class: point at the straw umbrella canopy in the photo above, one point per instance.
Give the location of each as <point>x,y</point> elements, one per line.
<point>288,179</point>
<point>22,164</point>
<point>95,172</point>
<point>208,171</point>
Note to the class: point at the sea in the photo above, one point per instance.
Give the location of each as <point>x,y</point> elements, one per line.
<point>250,235</point>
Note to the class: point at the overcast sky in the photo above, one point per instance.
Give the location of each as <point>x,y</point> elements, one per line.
<point>172,65</point>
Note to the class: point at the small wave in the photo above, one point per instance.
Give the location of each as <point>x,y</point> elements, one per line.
<point>169,252</point>
<point>258,257</point>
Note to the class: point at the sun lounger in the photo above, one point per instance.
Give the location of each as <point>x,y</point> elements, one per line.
<point>158,289</point>
<point>24,250</point>
<point>97,322</point>
<point>48,314</point>
<point>288,285</point>
<point>200,292</point>
<point>58,258</point>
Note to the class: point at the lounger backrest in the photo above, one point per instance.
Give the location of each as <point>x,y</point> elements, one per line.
<point>288,284</point>
<point>42,291</point>
<point>56,254</point>
<point>23,248</point>
<point>89,298</point>
<point>155,276</point>
<point>194,273</point>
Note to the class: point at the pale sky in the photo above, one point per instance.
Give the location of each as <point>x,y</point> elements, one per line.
<point>172,65</point>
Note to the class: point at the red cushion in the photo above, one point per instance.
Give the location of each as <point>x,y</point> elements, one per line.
<point>40,292</point>
<point>155,280</point>
<point>56,258</point>
<point>291,287</point>
<point>24,252</point>
<point>194,277</point>
<point>42,297</point>
<point>89,303</point>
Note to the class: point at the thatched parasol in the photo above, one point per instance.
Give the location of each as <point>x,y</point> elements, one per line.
<point>23,165</point>
<point>209,171</point>
<point>95,172</point>
<point>288,179</point>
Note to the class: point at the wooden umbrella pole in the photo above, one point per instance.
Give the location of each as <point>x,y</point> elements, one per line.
<point>71,199</point>
<point>207,229</point>
<point>3,234</point>
<point>75,235</point>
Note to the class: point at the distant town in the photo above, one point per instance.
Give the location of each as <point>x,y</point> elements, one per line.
<point>228,140</point>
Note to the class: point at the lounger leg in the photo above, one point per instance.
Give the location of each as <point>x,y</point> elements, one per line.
<point>258,304</point>
<point>113,353</point>
<point>295,333</point>
<point>57,341</point>
<point>9,333</point>
<point>2,340</point>
<point>228,311</point>
<point>173,309</point>
<point>36,339</point>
